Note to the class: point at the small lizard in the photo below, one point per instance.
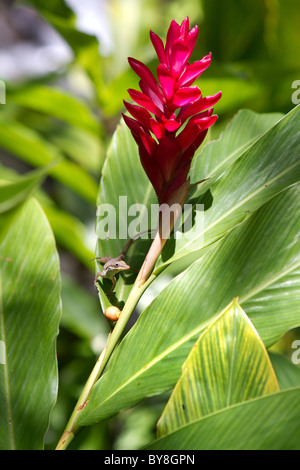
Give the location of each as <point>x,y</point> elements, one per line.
<point>113,266</point>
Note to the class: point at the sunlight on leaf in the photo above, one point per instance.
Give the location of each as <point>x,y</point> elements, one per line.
<point>228,364</point>
<point>29,316</point>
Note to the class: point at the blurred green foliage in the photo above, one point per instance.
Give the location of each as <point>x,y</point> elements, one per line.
<point>70,114</point>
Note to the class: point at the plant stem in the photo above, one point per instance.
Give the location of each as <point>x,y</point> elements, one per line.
<point>113,338</point>
<point>143,280</point>
<point>70,430</point>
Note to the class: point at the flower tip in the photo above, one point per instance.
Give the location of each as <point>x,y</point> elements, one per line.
<point>128,120</point>
<point>213,118</point>
<point>184,27</point>
<point>153,36</point>
<point>173,22</point>
<point>126,104</point>
<point>131,61</point>
<point>218,96</point>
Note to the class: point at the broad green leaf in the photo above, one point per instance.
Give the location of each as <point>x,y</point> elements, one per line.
<point>249,263</point>
<point>273,292</point>
<point>29,317</point>
<point>69,232</point>
<point>242,131</point>
<point>227,365</point>
<point>13,193</point>
<point>57,103</point>
<point>267,167</point>
<point>287,373</point>
<point>32,148</point>
<point>267,423</point>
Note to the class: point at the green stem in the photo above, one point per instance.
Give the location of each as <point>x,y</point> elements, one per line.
<point>70,429</point>
<point>132,300</point>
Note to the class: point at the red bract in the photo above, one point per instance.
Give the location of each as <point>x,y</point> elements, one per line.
<point>170,118</point>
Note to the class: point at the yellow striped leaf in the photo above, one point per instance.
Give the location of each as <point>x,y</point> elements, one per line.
<point>227,365</point>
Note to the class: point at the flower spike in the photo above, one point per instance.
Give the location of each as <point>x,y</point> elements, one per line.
<point>164,105</point>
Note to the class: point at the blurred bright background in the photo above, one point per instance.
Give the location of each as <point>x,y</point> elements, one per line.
<point>65,71</point>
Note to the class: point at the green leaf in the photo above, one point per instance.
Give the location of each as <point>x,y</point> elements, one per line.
<point>69,232</point>
<point>242,131</point>
<point>266,423</point>
<point>251,263</point>
<point>14,193</point>
<point>32,148</point>
<point>287,373</point>
<point>227,365</point>
<point>57,103</point>
<point>267,167</point>
<point>29,317</point>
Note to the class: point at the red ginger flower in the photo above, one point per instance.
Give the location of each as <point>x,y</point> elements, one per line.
<point>167,104</point>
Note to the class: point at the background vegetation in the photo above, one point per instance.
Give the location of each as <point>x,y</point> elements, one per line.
<point>64,98</point>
